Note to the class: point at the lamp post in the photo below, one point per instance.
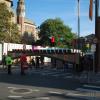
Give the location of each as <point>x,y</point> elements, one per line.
<point>78,26</point>
<point>97,35</point>
<point>78,18</point>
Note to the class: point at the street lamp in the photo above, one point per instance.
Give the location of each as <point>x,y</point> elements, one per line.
<point>78,6</point>
<point>97,35</point>
<point>78,25</point>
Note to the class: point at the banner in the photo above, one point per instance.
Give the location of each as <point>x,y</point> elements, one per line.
<point>91,10</point>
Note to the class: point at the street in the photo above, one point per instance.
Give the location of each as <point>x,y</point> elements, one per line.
<point>44,84</point>
<point>49,50</point>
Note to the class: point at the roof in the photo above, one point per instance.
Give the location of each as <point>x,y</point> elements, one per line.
<point>29,21</point>
<point>9,0</point>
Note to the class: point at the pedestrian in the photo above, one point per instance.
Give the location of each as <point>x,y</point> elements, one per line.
<point>9,62</point>
<point>23,61</point>
<point>33,62</point>
<point>37,62</point>
<point>42,61</point>
<point>4,61</point>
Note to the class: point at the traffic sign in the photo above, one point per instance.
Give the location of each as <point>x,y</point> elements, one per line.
<point>93,47</point>
<point>95,40</point>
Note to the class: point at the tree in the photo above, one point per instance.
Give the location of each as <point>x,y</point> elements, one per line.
<point>57,29</point>
<point>8,30</point>
<point>28,38</point>
<point>15,36</point>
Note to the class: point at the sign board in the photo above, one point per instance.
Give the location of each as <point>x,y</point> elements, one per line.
<point>93,47</point>
<point>88,45</point>
<point>95,40</point>
<point>24,47</point>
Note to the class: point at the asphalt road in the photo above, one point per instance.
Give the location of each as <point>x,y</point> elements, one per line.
<point>44,84</point>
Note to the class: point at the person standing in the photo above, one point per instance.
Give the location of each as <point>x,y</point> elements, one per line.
<point>9,62</point>
<point>37,62</point>
<point>42,61</point>
<point>23,60</point>
<point>4,61</point>
<point>33,62</point>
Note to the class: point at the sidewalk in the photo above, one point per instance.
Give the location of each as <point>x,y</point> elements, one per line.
<point>90,78</point>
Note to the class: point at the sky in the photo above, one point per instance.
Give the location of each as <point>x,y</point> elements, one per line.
<point>40,10</point>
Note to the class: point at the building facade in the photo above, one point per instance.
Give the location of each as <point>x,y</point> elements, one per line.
<point>7,2</point>
<point>24,25</point>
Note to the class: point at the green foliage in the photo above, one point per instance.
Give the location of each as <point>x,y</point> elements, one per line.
<point>4,21</point>
<point>8,30</point>
<point>15,36</point>
<point>56,28</point>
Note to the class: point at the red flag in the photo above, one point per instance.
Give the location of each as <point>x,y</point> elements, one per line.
<point>91,10</point>
<point>52,39</point>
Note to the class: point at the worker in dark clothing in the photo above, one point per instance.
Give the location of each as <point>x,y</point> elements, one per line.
<point>33,62</point>
<point>4,61</point>
<point>37,62</point>
<point>42,61</point>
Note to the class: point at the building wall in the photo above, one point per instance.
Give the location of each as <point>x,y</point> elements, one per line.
<point>27,26</point>
<point>8,2</point>
<point>31,29</point>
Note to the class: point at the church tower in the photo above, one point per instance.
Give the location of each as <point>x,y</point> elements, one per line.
<point>21,15</point>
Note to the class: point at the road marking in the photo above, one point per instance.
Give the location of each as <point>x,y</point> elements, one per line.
<point>14,89</point>
<point>54,92</point>
<point>81,96</point>
<point>43,98</point>
<point>60,74</point>
<point>11,87</point>
<point>87,90</point>
<point>97,81</point>
<point>91,86</point>
<point>35,90</point>
<point>51,73</point>
<point>68,77</point>
<point>55,75</point>
<point>64,74</point>
<point>75,94</point>
<point>14,96</point>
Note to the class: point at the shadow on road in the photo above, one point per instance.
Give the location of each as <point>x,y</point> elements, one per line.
<point>39,81</point>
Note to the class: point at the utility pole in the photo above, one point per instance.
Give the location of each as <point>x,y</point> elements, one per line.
<point>78,6</point>
<point>78,18</point>
<point>97,35</point>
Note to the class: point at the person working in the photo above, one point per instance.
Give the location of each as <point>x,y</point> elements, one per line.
<point>9,62</point>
